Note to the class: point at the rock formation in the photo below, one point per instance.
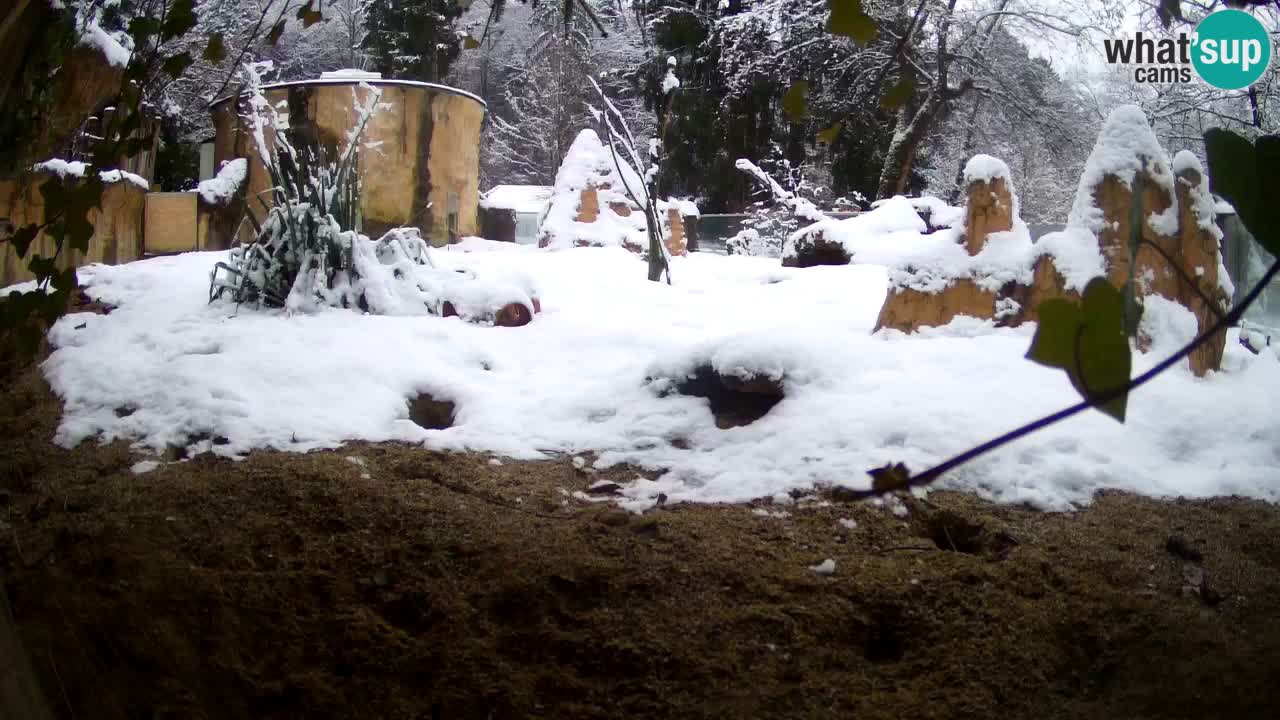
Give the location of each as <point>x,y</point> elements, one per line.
<point>1137,217</point>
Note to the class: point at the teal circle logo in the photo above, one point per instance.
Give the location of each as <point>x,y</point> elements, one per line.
<point>1231,49</point>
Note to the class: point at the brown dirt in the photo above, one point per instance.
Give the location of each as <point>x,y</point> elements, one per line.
<point>443,586</point>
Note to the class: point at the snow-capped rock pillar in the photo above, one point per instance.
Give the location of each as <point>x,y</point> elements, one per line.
<point>989,204</point>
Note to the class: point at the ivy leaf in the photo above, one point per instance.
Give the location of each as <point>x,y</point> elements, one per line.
<point>795,103</point>
<point>42,267</point>
<point>1168,11</point>
<point>1054,343</point>
<point>848,19</point>
<point>470,43</point>
<point>76,227</point>
<point>176,65</point>
<point>1105,358</point>
<point>898,95</point>
<point>22,238</point>
<point>1089,342</point>
<point>216,51</point>
<point>1241,173</point>
<point>890,477</point>
<point>828,136</point>
<point>309,16</point>
<point>277,30</point>
<point>65,281</point>
<point>53,304</point>
<point>180,18</point>
<point>143,27</point>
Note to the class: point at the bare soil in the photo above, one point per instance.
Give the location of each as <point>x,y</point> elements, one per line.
<point>425,585</point>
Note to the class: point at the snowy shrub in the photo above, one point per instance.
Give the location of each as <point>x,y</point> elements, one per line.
<point>307,254</point>
<point>750,242</point>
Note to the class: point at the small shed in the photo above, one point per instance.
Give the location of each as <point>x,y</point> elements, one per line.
<point>513,213</point>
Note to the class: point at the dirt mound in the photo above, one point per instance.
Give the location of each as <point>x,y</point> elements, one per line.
<point>383,581</point>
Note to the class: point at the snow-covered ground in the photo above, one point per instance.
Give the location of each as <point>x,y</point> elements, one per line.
<point>575,380</point>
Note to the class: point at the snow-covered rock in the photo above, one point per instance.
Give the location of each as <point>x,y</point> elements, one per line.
<point>223,187</point>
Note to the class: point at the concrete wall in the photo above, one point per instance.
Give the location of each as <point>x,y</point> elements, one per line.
<point>427,163</point>
<point>117,227</point>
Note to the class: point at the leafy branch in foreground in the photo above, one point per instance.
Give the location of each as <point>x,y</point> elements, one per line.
<point>1090,341</point>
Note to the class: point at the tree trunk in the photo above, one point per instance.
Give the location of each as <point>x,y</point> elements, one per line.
<point>911,130</point>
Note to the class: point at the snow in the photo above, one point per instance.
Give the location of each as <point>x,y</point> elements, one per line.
<point>520,198</point>
<point>891,234</point>
<point>985,168</point>
<point>825,568</point>
<point>92,35</point>
<point>1167,324</point>
<point>350,74</point>
<point>579,380</point>
<point>1075,254</point>
<point>940,214</point>
<point>670,82</point>
<point>588,163</point>
<point>221,188</point>
<point>1125,146</point>
<point>76,168</point>
<point>1205,208</point>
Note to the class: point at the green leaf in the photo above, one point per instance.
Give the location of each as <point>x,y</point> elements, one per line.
<point>22,238</point>
<point>848,19</point>
<point>828,136</point>
<point>1245,175</point>
<point>309,16</point>
<point>53,305</point>
<point>890,477</point>
<point>1105,358</point>
<point>795,103</point>
<point>216,51</point>
<point>277,30</point>
<point>143,27</point>
<point>1054,342</point>
<point>1089,342</point>
<point>180,18</point>
<point>65,280</point>
<point>898,95</point>
<point>176,65</point>
<point>42,267</point>
<point>470,43</point>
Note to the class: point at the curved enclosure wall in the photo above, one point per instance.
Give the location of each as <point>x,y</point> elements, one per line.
<point>419,160</point>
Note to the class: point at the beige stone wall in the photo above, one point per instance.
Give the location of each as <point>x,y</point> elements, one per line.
<point>117,227</point>
<point>171,222</point>
<point>429,151</point>
<point>454,163</point>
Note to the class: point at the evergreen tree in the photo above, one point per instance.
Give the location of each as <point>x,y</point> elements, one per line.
<point>412,39</point>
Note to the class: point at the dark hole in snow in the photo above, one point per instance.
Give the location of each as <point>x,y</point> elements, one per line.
<point>125,411</point>
<point>430,413</point>
<point>448,310</point>
<point>734,401</point>
<point>816,250</point>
